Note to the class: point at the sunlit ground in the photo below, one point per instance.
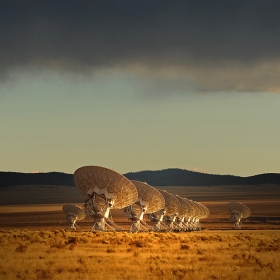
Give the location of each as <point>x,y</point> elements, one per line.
<point>57,254</point>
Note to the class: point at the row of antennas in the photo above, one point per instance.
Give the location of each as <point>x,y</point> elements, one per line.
<point>105,189</point>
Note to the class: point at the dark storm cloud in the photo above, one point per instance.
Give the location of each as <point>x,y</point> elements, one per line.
<point>206,35</point>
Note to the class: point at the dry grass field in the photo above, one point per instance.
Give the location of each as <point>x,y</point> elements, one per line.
<point>57,254</point>
<point>34,244</point>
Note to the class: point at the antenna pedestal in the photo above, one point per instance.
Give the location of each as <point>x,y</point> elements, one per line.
<point>100,213</point>
<point>170,222</point>
<point>236,218</point>
<point>137,219</point>
<point>71,220</point>
<point>99,223</point>
<point>157,219</point>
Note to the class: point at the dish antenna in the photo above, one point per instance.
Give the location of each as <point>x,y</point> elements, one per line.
<point>238,211</point>
<point>104,189</point>
<point>197,212</point>
<point>184,211</point>
<point>202,212</point>
<point>166,217</point>
<point>73,213</point>
<point>149,200</point>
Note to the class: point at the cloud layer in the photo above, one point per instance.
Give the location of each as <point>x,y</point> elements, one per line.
<point>214,45</point>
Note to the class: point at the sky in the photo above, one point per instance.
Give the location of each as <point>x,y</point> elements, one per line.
<point>140,85</point>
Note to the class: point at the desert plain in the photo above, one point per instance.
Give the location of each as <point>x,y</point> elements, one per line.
<point>35,245</point>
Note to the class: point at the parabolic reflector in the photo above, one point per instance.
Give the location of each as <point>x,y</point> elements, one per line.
<point>74,209</point>
<point>185,208</point>
<point>202,213</point>
<point>172,205</point>
<point>241,208</point>
<point>149,197</point>
<point>106,183</point>
<point>205,211</point>
<point>193,208</point>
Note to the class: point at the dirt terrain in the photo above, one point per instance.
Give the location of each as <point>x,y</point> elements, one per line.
<point>40,207</point>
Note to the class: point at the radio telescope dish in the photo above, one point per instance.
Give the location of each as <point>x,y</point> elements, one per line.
<point>73,213</point>
<point>185,210</point>
<point>238,211</point>
<point>107,183</point>
<point>167,215</point>
<point>192,220</point>
<point>202,212</point>
<point>104,189</point>
<point>172,205</point>
<point>190,215</point>
<point>149,197</point>
<point>149,200</point>
<point>184,207</point>
<point>206,211</point>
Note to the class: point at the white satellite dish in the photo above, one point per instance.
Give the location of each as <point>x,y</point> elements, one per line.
<point>184,212</point>
<point>104,190</point>
<point>238,211</point>
<point>205,211</point>
<point>202,213</point>
<point>73,213</point>
<point>149,200</point>
<point>166,217</point>
<point>192,219</point>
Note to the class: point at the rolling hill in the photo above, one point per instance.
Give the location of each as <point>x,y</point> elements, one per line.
<point>166,177</point>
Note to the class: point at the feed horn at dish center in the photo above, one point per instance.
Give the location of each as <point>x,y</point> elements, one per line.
<point>148,208</point>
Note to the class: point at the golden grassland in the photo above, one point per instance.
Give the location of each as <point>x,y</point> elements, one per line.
<point>221,254</point>
<point>34,244</point>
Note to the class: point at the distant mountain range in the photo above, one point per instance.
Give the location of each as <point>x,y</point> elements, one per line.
<point>166,177</point>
